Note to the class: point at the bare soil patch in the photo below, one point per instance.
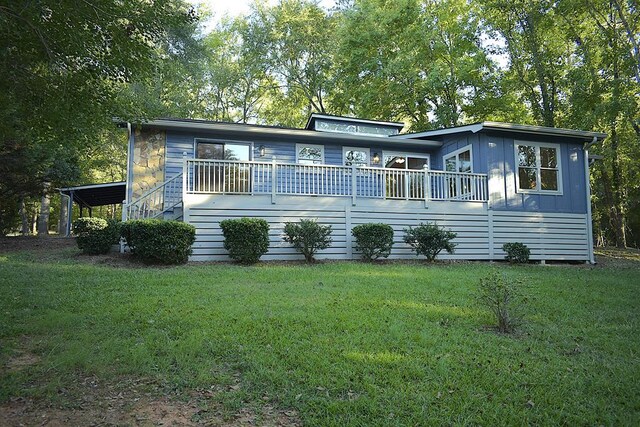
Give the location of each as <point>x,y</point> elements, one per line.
<point>35,243</point>
<point>136,403</point>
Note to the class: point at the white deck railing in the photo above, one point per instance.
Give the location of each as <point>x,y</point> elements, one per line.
<point>203,176</point>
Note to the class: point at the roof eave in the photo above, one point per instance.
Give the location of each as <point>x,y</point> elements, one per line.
<point>246,129</point>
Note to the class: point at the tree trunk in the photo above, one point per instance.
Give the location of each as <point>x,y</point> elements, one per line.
<point>45,210</point>
<point>24,229</point>
<point>62,223</point>
<point>618,202</point>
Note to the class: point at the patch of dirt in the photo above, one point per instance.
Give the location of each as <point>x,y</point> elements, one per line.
<point>617,258</point>
<point>136,403</point>
<point>21,360</point>
<point>35,243</point>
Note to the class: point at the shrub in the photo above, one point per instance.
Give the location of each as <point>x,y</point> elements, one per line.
<point>373,240</point>
<point>308,237</point>
<point>501,295</point>
<point>157,241</point>
<point>517,253</point>
<point>93,235</point>
<point>429,240</point>
<point>246,239</point>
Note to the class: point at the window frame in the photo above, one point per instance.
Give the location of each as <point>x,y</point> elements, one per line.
<point>300,146</point>
<point>405,154</point>
<point>456,154</point>
<point>223,142</point>
<point>363,149</point>
<point>538,167</point>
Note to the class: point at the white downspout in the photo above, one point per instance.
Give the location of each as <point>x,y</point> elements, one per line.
<point>592,259</point>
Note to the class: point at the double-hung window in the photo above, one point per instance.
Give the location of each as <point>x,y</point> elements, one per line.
<point>539,169</point>
<point>309,154</point>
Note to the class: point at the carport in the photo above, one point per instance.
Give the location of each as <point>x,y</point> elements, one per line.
<point>89,196</point>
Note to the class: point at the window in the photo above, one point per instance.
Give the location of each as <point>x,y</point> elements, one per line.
<point>401,185</point>
<point>355,156</point>
<point>309,154</point>
<point>538,167</point>
<point>226,176</point>
<point>222,151</point>
<point>353,127</point>
<point>459,160</point>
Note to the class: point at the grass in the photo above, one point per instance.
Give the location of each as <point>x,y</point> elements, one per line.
<point>340,343</point>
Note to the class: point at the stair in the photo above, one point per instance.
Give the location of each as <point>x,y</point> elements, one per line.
<point>164,201</point>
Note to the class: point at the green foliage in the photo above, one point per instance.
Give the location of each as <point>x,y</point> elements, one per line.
<point>373,240</point>
<point>9,218</point>
<point>246,239</point>
<point>157,241</point>
<point>502,296</point>
<point>429,240</point>
<point>93,235</point>
<point>308,237</point>
<point>516,252</point>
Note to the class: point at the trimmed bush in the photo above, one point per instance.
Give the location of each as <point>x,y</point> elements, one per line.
<point>308,237</point>
<point>94,235</point>
<point>516,252</point>
<point>246,239</point>
<point>429,240</point>
<point>501,295</point>
<point>374,240</point>
<point>159,242</point>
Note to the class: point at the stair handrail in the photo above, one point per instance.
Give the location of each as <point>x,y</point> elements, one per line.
<point>152,213</point>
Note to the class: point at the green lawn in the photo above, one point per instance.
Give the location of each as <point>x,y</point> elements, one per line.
<point>338,343</point>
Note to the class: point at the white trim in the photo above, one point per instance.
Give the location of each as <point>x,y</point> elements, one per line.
<point>315,116</point>
<point>300,146</point>
<point>538,145</point>
<point>196,140</point>
<point>456,154</point>
<point>509,127</point>
<point>363,149</point>
<point>404,154</point>
<point>90,186</point>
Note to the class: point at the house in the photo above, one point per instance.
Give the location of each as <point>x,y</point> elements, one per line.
<point>489,182</point>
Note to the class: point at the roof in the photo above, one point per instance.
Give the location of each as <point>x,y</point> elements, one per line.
<point>505,127</point>
<point>252,131</point>
<point>109,193</point>
<point>314,116</point>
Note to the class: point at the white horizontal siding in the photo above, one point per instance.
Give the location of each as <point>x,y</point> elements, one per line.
<point>549,236</point>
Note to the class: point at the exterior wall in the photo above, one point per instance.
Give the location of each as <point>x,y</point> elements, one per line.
<point>456,142</point>
<point>147,167</point>
<point>481,232</point>
<point>285,151</point>
<point>502,169</point>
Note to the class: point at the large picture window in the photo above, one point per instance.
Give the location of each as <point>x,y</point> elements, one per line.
<point>355,156</point>
<point>309,154</point>
<point>538,168</point>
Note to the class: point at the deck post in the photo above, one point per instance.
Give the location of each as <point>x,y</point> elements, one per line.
<point>354,183</point>
<point>490,230</point>
<point>426,185</point>
<point>185,174</point>
<point>274,179</point>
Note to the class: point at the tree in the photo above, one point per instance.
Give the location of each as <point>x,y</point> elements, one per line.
<point>67,69</point>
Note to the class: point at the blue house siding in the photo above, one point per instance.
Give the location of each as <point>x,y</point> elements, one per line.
<point>456,142</point>
<point>502,169</point>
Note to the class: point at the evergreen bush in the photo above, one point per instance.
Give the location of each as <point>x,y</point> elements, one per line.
<point>429,240</point>
<point>308,237</point>
<point>374,240</point>
<point>516,252</point>
<point>246,239</point>
<point>158,241</point>
<point>93,235</point>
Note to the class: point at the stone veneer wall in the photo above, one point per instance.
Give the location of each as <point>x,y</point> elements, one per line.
<point>148,161</point>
